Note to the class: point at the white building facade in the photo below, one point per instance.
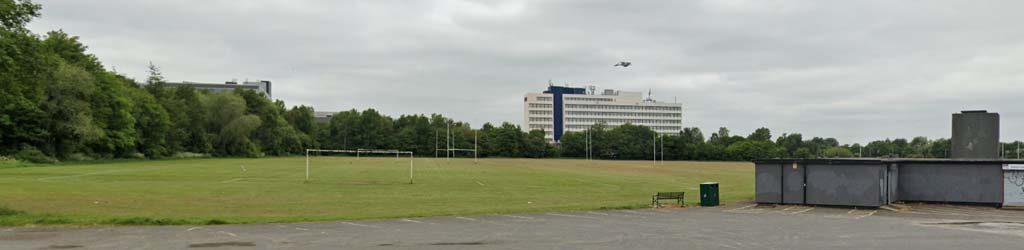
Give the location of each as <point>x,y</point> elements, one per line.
<point>568,109</point>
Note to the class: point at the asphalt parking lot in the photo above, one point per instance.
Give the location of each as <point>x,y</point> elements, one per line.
<point>735,226</point>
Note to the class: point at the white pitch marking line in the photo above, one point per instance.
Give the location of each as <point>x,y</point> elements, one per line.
<point>77,175</point>
<point>232,235</point>
<point>481,184</point>
<point>518,217</point>
<point>803,211</point>
<point>413,221</point>
<point>573,216</point>
<point>635,212</point>
<point>465,218</point>
<point>232,180</point>
<point>356,224</point>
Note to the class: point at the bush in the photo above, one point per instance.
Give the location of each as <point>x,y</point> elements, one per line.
<point>183,155</point>
<point>8,161</point>
<point>79,157</point>
<point>136,155</point>
<point>33,155</point>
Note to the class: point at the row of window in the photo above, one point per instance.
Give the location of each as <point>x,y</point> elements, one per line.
<point>540,119</point>
<point>541,112</point>
<point>544,98</point>
<point>589,99</point>
<point>620,114</point>
<point>540,105</point>
<point>621,107</point>
<point>617,120</point>
<point>655,128</point>
<point>541,126</point>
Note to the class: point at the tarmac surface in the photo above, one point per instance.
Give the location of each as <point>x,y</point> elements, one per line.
<point>736,226</point>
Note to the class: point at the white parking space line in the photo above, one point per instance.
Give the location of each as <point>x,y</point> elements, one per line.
<point>357,224</point>
<point>867,215</point>
<point>635,212</point>
<point>227,233</point>
<point>574,216</point>
<point>465,218</point>
<point>741,208</point>
<point>413,221</point>
<point>598,213</point>
<point>518,217</point>
<point>803,211</point>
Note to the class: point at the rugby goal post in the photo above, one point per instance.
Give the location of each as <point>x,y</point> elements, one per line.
<point>450,146</point>
<point>358,152</point>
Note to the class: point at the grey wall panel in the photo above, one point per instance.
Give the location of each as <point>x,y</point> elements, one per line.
<point>951,182</point>
<point>893,183</point>
<point>793,183</point>
<point>975,135</point>
<point>768,183</point>
<point>845,185</point>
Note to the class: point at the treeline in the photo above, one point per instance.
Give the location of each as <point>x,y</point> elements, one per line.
<point>636,142</point>
<point>58,102</point>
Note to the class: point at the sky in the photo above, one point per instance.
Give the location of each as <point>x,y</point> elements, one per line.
<point>853,70</point>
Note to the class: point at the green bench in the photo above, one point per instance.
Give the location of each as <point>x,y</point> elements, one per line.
<point>678,196</point>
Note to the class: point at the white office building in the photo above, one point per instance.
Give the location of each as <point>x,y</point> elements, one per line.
<point>565,109</point>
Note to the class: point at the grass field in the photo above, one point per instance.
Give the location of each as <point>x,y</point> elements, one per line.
<point>214,191</point>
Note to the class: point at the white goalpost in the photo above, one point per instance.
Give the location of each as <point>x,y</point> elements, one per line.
<point>359,152</point>
<point>450,149</point>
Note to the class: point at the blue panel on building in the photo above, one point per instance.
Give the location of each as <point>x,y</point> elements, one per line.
<point>557,93</point>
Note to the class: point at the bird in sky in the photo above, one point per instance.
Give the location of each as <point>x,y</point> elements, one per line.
<point>623,64</point>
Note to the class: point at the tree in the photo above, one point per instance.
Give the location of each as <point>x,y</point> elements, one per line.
<point>752,150</point>
<point>839,152</point>
<point>761,134</point>
<point>234,138</point>
<point>790,143</point>
<point>720,138</point>
<point>803,153</point>
<point>70,114</point>
<point>152,124</point>
<point>14,15</point>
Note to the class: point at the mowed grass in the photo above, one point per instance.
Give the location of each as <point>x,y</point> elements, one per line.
<point>215,191</point>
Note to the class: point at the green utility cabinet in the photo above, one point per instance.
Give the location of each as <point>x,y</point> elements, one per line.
<point>709,194</point>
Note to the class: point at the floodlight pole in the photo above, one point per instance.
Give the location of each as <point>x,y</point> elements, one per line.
<point>476,135</point>
<point>655,148</point>
<point>662,149</point>
<point>448,141</point>
<point>411,181</point>
<point>307,164</point>
<point>435,143</point>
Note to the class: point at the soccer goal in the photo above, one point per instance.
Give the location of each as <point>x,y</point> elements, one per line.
<point>359,152</point>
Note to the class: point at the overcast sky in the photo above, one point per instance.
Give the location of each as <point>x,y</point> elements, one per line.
<point>853,70</point>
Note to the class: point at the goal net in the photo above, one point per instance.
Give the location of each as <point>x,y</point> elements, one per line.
<point>359,153</point>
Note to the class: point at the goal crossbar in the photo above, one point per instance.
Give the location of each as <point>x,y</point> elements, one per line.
<point>360,151</point>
